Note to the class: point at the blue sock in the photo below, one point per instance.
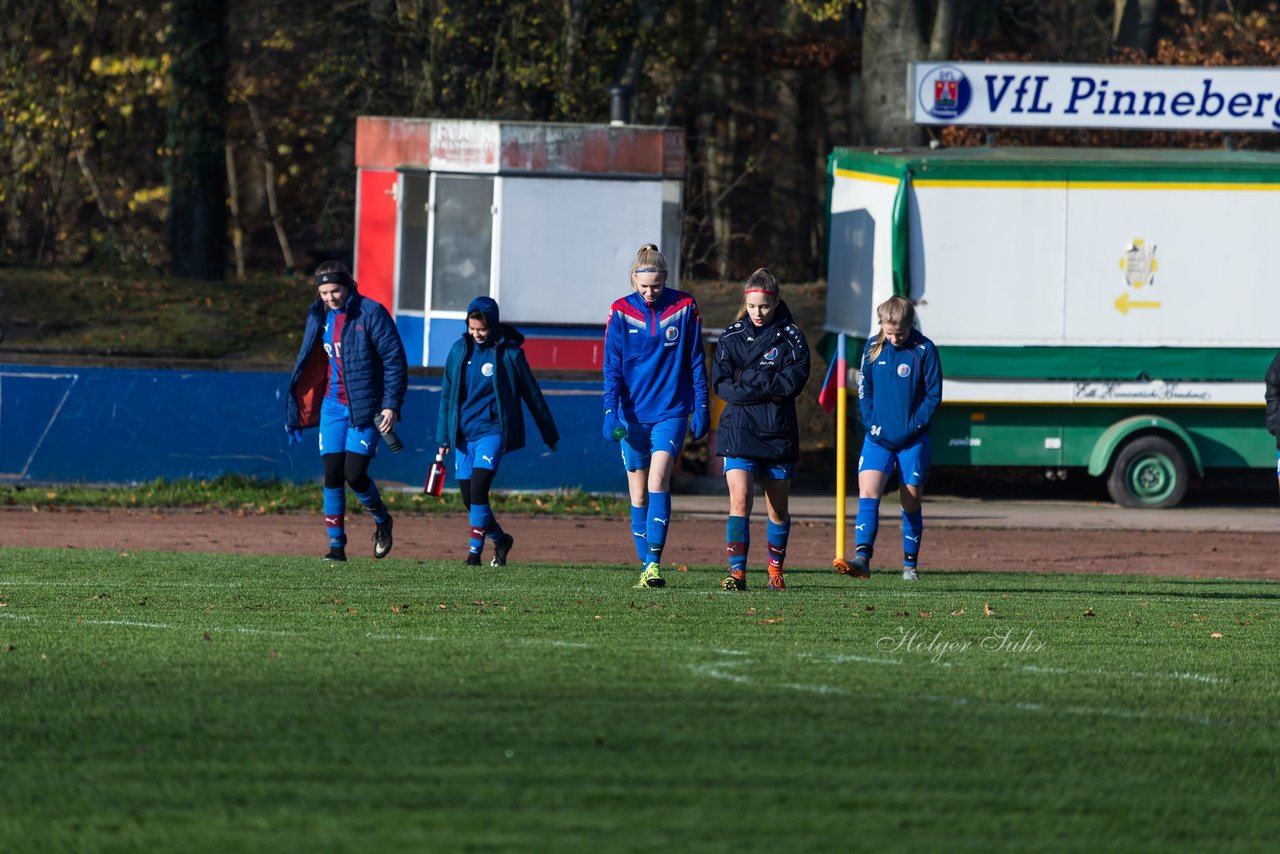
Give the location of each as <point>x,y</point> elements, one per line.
<point>372,502</point>
<point>867,524</point>
<point>335,511</point>
<point>912,530</point>
<point>659,520</point>
<point>737,538</point>
<point>639,520</point>
<point>480,518</point>
<point>778,544</point>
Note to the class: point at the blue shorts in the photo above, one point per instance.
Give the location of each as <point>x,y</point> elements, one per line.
<point>337,436</point>
<point>761,468</point>
<point>644,440</point>
<point>912,461</point>
<point>482,453</point>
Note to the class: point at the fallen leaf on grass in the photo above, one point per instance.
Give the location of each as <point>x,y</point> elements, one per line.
<point>987,611</point>
<point>1216,635</point>
<point>442,607</point>
<point>206,637</point>
<point>927,615</point>
<point>10,648</point>
<point>770,622</point>
<point>750,612</point>
<point>598,617</point>
<point>958,612</point>
<point>274,654</point>
<point>901,614</point>
<point>354,611</point>
<point>871,607</point>
<point>682,568</point>
<point>1089,613</point>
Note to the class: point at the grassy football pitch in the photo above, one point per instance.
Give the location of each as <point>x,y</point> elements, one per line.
<point>188,702</point>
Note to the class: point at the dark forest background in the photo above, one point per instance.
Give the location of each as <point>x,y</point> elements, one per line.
<point>204,137</point>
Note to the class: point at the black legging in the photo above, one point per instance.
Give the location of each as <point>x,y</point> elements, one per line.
<point>353,468</point>
<point>476,490</point>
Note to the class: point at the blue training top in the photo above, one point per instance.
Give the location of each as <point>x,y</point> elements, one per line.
<point>653,364</point>
<point>899,390</point>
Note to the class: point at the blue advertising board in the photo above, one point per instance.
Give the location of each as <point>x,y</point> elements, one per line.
<point>128,425</point>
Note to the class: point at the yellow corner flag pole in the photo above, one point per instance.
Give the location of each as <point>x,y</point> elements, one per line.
<point>842,442</point>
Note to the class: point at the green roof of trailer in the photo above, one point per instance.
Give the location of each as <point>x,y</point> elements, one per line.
<point>1113,165</point>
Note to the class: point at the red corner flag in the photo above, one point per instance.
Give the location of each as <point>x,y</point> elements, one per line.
<point>832,383</point>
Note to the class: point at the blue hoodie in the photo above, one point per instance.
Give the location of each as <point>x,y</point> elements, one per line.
<point>513,382</point>
<point>653,364</point>
<point>899,390</point>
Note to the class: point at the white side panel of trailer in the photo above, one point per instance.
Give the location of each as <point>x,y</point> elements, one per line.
<point>1213,282</point>
<point>988,263</point>
<point>860,254</point>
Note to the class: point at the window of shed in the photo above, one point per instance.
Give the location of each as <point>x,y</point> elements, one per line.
<point>462,244</point>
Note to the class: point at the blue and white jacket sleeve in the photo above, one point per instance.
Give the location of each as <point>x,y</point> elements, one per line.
<point>614,335</point>
<point>697,361</point>
<point>931,371</point>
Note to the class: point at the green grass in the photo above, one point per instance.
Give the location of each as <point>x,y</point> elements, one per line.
<point>189,702</point>
<point>247,495</point>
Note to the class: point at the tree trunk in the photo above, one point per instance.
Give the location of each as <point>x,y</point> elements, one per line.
<point>1135,25</point>
<point>196,166</point>
<point>890,40</point>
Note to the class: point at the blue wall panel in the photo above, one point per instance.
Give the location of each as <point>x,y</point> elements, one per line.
<point>122,425</point>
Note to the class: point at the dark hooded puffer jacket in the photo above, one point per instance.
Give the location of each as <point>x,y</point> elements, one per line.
<point>513,381</point>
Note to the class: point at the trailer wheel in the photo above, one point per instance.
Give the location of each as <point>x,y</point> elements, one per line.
<point>1149,471</point>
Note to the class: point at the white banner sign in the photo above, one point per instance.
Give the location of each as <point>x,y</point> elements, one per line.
<point>1094,96</point>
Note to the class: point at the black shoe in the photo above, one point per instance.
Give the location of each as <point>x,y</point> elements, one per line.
<point>501,547</point>
<point>472,560</point>
<point>382,539</point>
<point>336,553</point>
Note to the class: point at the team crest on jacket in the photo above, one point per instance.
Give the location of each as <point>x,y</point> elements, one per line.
<point>771,354</point>
<point>487,369</point>
<point>672,333</point>
<point>904,370</point>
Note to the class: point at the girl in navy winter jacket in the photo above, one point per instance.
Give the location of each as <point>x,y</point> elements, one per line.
<point>654,380</point>
<point>899,389</point>
<point>485,377</point>
<point>349,379</point>
<point>761,366</point>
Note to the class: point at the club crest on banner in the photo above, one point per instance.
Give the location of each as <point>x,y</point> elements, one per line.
<point>945,93</point>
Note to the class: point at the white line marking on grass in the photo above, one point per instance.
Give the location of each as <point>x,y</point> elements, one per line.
<point>427,638</point>
<point>570,644</point>
<point>17,617</point>
<point>845,658</point>
<point>815,689</point>
<point>1184,676</point>
<point>125,623</point>
<point>714,671</point>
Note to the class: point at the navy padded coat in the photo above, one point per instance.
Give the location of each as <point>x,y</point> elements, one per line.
<point>759,372</point>
<point>374,367</point>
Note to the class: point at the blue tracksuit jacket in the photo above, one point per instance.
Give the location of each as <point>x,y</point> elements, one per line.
<point>899,390</point>
<point>653,363</point>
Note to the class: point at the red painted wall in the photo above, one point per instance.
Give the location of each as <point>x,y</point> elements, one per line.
<point>376,236</point>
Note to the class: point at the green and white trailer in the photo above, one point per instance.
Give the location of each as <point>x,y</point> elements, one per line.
<point>1112,311</point>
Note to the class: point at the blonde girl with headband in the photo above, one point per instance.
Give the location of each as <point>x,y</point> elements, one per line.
<point>899,389</point>
<point>761,365</point>
<point>655,390</point>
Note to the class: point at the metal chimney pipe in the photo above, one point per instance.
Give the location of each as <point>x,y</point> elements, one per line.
<point>619,105</point>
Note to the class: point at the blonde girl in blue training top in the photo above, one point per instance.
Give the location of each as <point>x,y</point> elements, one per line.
<point>654,380</point>
<point>899,389</point>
